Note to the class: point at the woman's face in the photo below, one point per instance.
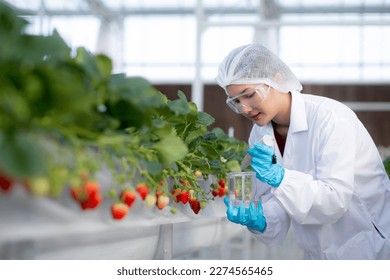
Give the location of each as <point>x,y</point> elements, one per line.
<point>255,102</point>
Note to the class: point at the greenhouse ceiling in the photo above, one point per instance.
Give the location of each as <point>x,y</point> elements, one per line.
<point>170,41</point>
<point>128,7</point>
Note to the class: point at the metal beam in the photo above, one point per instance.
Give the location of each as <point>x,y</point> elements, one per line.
<point>375,9</point>
<point>278,23</point>
<point>369,106</point>
<point>99,9</point>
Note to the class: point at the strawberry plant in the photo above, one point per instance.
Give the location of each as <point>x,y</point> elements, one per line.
<point>64,117</point>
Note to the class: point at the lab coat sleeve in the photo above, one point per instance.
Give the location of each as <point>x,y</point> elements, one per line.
<point>278,223</point>
<point>323,195</point>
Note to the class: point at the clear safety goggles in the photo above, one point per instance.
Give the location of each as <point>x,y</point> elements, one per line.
<point>236,103</point>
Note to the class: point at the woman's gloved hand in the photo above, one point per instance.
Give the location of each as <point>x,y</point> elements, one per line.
<point>266,171</point>
<point>251,217</point>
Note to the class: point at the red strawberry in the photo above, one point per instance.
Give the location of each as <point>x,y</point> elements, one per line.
<point>221,191</point>
<point>92,202</point>
<point>184,195</point>
<point>195,205</point>
<point>81,193</point>
<point>215,192</point>
<point>119,210</point>
<point>176,195</point>
<point>88,195</point>
<point>5,183</point>
<point>162,201</point>
<point>91,188</point>
<point>222,182</point>
<point>128,196</point>
<point>142,190</point>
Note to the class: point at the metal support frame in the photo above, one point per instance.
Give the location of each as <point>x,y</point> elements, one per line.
<point>197,85</point>
<point>167,232</point>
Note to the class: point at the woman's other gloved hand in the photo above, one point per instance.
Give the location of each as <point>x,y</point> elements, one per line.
<point>266,170</point>
<point>251,217</point>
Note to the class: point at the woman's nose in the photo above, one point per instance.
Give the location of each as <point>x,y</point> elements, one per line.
<point>245,109</point>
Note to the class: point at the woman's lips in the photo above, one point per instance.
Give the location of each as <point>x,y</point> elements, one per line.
<point>255,117</point>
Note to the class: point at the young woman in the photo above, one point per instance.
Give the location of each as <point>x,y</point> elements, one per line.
<point>324,175</point>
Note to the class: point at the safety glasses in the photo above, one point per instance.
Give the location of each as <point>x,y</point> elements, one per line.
<point>256,94</point>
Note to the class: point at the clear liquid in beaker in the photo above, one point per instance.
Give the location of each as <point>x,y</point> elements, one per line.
<point>240,186</point>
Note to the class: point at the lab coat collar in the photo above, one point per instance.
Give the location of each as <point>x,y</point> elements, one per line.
<point>298,119</point>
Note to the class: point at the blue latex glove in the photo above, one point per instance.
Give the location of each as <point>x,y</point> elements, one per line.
<point>266,171</point>
<point>251,217</point>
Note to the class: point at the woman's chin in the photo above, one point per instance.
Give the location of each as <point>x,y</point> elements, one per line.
<point>260,120</point>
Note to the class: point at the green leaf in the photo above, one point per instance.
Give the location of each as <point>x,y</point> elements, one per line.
<point>21,157</point>
<point>128,114</point>
<point>219,133</point>
<point>52,46</point>
<point>233,166</point>
<point>205,119</point>
<point>153,168</point>
<point>210,150</point>
<point>170,149</point>
<point>9,21</point>
<point>194,135</point>
<point>136,91</point>
<point>104,65</point>
<point>87,60</point>
<point>386,163</point>
<point>180,106</point>
<point>158,123</point>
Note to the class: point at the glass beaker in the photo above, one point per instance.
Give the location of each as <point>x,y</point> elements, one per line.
<point>240,185</point>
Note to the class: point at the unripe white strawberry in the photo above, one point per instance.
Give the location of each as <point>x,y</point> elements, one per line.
<point>40,186</point>
<point>162,201</point>
<point>150,200</point>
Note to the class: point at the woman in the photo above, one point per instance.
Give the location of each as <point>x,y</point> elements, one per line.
<point>324,174</point>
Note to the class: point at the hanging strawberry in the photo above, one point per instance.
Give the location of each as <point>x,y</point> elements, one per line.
<point>162,201</point>
<point>5,183</point>
<point>150,200</point>
<point>128,196</point>
<point>176,195</point>
<point>195,205</point>
<point>119,210</point>
<point>142,190</point>
<point>87,195</point>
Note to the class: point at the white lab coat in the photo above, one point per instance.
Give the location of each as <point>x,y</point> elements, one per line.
<point>335,191</point>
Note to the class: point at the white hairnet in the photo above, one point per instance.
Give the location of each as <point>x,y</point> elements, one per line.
<point>255,64</point>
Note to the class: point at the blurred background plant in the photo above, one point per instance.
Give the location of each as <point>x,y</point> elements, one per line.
<point>386,163</point>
